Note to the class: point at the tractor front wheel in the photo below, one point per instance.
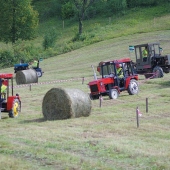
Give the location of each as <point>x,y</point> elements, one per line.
<point>14,112</point>
<point>158,72</point>
<point>113,94</point>
<point>94,97</point>
<point>133,87</point>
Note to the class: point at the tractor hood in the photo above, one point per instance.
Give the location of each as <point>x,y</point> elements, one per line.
<point>107,80</point>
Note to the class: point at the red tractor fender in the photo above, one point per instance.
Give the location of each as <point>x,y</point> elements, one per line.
<point>128,81</point>
<point>117,88</point>
<point>10,101</point>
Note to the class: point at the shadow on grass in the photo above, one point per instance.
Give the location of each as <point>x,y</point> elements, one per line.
<point>162,84</point>
<point>6,117</point>
<point>40,120</point>
<point>165,84</point>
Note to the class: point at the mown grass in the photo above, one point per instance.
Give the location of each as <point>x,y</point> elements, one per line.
<point>107,139</point>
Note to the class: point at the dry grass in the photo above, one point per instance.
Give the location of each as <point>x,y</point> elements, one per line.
<point>109,137</point>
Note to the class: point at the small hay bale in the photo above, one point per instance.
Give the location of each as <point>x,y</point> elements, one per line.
<point>26,76</point>
<point>59,103</point>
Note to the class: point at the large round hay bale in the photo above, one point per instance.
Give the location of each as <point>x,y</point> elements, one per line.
<point>60,103</point>
<point>26,76</point>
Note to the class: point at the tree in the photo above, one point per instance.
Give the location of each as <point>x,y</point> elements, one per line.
<point>81,7</point>
<point>18,20</point>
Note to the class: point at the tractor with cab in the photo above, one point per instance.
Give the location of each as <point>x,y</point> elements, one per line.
<point>155,64</point>
<point>25,66</point>
<point>8,101</point>
<point>111,84</point>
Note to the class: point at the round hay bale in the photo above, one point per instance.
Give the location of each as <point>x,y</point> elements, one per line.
<point>26,76</point>
<point>60,103</point>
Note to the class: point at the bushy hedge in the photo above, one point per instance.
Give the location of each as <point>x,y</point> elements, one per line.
<point>145,3</point>
<point>64,9</point>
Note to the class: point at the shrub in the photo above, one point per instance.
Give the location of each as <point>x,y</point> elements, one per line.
<point>7,58</point>
<point>50,39</point>
<point>67,10</point>
<point>25,51</point>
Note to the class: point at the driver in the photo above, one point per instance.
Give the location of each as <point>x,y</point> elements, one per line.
<point>3,88</point>
<point>119,70</point>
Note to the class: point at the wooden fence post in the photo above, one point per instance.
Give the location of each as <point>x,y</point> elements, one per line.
<point>146,105</point>
<point>137,117</point>
<point>100,98</point>
<point>83,80</point>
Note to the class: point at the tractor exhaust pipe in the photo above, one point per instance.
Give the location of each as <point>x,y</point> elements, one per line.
<point>95,76</point>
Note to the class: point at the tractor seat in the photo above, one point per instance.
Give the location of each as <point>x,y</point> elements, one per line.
<point>2,100</point>
<point>121,82</point>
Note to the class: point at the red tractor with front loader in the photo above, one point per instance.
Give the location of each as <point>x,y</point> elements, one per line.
<point>111,84</point>
<point>8,103</point>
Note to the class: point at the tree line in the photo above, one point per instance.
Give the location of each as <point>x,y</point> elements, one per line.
<point>19,20</point>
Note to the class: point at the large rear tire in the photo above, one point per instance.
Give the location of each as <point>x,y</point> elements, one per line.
<point>39,73</point>
<point>133,87</point>
<point>158,72</point>
<point>14,112</point>
<point>113,94</point>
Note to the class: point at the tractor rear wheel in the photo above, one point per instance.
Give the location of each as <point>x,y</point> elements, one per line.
<point>39,73</point>
<point>133,87</point>
<point>113,94</point>
<point>14,112</point>
<point>158,72</point>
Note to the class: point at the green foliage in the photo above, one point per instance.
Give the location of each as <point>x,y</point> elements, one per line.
<point>117,5</point>
<point>136,20</point>
<point>25,51</point>
<point>67,10</point>
<point>18,20</point>
<point>52,8</point>
<point>7,58</point>
<point>50,39</point>
<point>146,3</point>
<point>83,37</point>
<point>19,51</point>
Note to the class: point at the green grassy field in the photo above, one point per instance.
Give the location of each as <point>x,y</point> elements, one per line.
<point>106,140</point>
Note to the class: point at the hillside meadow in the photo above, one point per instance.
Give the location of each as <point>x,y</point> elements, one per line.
<point>106,140</point>
<point>100,28</point>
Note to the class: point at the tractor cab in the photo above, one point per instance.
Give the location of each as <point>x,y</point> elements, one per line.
<point>110,69</point>
<point>144,55</point>
<point>149,60</point>
<point>8,102</point>
<point>116,76</point>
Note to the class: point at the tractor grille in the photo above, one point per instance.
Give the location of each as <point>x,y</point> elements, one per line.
<point>94,88</point>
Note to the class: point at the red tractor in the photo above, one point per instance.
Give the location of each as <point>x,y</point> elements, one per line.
<point>111,84</point>
<point>10,104</point>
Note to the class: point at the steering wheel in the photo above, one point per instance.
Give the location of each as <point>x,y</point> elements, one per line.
<point>112,74</point>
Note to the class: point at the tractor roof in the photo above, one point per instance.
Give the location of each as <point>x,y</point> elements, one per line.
<point>6,75</point>
<point>123,60</point>
<point>147,44</point>
<point>21,64</point>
